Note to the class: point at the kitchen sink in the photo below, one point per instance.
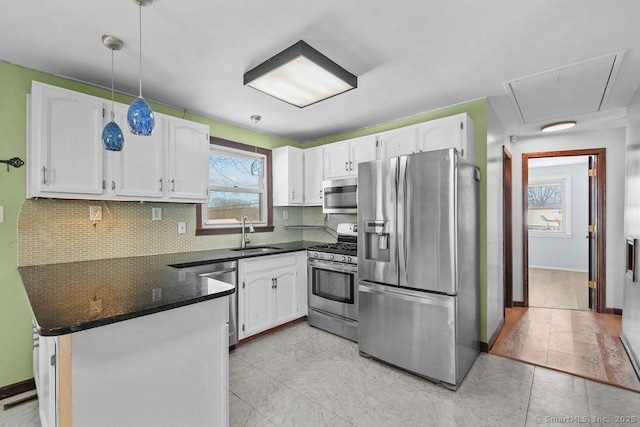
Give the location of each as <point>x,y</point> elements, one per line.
<point>256,249</point>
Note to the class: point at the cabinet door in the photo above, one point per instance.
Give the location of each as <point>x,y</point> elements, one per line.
<point>397,142</point>
<point>336,160</point>
<point>188,160</point>
<point>361,149</point>
<point>138,168</point>
<point>65,142</point>
<point>301,265</point>
<point>313,176</point>
<point>259,303</point>
<point>439,134</point>
<point>47,381</point>
<point>296,177</point>
<point>286,295</point>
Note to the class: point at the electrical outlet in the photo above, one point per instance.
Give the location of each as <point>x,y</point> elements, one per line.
<point>182,227</point>
<point>95,306</point>
<point>156,214</point>
<point>1,213</point>
<point>285,215</point>
<point>95,213</point>
<point>156,294</point>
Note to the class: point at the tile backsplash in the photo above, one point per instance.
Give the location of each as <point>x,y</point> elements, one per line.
<point>56,231</point>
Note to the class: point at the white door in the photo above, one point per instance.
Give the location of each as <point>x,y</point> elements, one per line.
<point>47,391</point>
<point>259,303</point>
<point>336,160</point>
<point>138,168</point>
<point>286,295</point>
<point>398,142</point>
<point>296,177</point>
<point>313,176</point>
<point>439,134</point>
<point>361,149</point>
<point>66,130</point>
<point>188,160</point>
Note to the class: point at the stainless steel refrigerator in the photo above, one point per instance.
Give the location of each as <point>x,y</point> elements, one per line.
<point>418,266</point>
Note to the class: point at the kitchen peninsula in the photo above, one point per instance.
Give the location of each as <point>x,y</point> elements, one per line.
<point>129,341</point>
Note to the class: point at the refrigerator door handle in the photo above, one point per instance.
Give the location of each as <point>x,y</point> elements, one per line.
<point>425,298</point>
<point>401,184</point>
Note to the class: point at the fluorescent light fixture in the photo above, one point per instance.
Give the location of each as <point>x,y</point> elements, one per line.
<point>555,127</point>
<point>300,76</point>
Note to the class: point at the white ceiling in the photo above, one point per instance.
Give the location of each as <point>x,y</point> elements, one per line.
<point>409,56</point>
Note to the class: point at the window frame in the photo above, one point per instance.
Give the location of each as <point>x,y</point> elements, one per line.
<point>565,228</point>
<point>203,229</point>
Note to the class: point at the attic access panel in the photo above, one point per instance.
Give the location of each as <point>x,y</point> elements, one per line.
<point>566,91</point>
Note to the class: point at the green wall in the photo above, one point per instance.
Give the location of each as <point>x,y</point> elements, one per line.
<point>15,316</point>
<point>15,83</point>
<point>477,110</point>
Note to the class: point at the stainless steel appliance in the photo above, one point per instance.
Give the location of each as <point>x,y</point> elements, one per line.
<point>418,271</point>
<point>226,272</point>
<point>340,196</point>
<point>333,287</point>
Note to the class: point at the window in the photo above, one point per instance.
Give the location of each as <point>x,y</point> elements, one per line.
<point>549,206</point>
<point>239,185</point>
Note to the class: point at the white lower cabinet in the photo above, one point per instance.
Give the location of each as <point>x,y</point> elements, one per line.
<point>270,291</point>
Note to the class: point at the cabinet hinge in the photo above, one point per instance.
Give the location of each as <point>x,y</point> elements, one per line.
<point>53,360</point>
<point>592,284</point>
<point>592,172</point>
<point>592,228</point>
<point>243,327</point>
<point>461,125</point>
<point>377,142</point>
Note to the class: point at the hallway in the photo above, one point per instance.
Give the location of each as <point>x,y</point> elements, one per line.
<point>582,343</point>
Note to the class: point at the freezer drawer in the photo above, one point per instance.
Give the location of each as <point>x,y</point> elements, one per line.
<point>413,330</point>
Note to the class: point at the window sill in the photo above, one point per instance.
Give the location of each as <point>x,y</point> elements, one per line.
<point>235,230</point>
<point>559,235</point>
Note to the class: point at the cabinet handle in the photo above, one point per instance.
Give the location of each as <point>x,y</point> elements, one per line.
<point>173,185</point>
<point>104,184</point>
<point>293,194</point>
<point>113,185</point>
<point>346,166</point>
<point>320,194</point>
<point>273,283</point>
<point>350,166</point>
<point>276,280</point>
<point>44,175</point>
<point>160,184</point>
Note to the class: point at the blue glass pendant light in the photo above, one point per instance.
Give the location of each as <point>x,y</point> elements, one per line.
<point>112,136</point>
<point>140,116</point>
<point>256,166</point>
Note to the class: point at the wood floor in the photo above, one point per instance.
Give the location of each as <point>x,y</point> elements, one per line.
<point>583,343</point>
<point>558,289</point>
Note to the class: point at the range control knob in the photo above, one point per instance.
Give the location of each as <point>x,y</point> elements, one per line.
<point>348,259</point>
<point>329,257</point>
<point>345,259</point>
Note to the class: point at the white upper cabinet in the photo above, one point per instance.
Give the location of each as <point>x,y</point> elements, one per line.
<point>341,158</point>
<point>398,142</point>
<point>313,175</point>
<point>138,168</point>
<point>65,148</point>
<point>188,160</point>
<point>66,158</point>
<point>453,131</point>
<point>288,176</point>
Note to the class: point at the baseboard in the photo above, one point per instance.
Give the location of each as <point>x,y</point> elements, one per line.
<point>632,355</point>
<point>494,336</point>
<point>518,303</point>
<point>545,267</point>
<point>610,310</point>
<point>17,388</point>
<point>269,331</point>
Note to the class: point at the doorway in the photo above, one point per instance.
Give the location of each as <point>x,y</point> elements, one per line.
<point>545,205</point>
<point>557,220</point>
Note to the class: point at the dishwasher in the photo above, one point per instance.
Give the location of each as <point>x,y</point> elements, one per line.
<point>226,272</point>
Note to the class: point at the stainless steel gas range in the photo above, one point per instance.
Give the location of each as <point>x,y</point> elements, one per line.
<point>333,285</point>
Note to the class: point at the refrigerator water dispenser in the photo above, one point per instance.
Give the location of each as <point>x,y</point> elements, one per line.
<point>376,242</point>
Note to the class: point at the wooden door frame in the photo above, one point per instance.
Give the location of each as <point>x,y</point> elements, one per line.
<point>601,171</point>
<point>507,222</point>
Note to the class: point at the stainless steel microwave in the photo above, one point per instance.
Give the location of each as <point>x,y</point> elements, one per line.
<point>340,196</point>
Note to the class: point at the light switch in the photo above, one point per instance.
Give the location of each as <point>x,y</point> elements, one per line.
<point>95,213</point>
<point>182,228</point>
<point>1,213</point>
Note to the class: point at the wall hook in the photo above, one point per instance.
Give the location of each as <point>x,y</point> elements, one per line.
<point>16,162</point>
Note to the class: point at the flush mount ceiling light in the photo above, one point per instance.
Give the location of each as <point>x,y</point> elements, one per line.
<point>300,76</point>
<point>555,127</point>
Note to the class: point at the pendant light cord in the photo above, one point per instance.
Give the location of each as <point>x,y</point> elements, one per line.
<point>113,106</point>
<point>140,28</point>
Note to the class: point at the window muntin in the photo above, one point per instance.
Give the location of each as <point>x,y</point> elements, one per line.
<point>549,206</point>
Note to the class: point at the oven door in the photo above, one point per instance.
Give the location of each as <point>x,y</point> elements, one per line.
<point>333,287</point>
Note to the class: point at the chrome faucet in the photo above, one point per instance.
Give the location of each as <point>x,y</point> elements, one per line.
<point>244,242</point>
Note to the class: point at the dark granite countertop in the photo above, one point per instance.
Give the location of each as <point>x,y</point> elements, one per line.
<point>72,297</point>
